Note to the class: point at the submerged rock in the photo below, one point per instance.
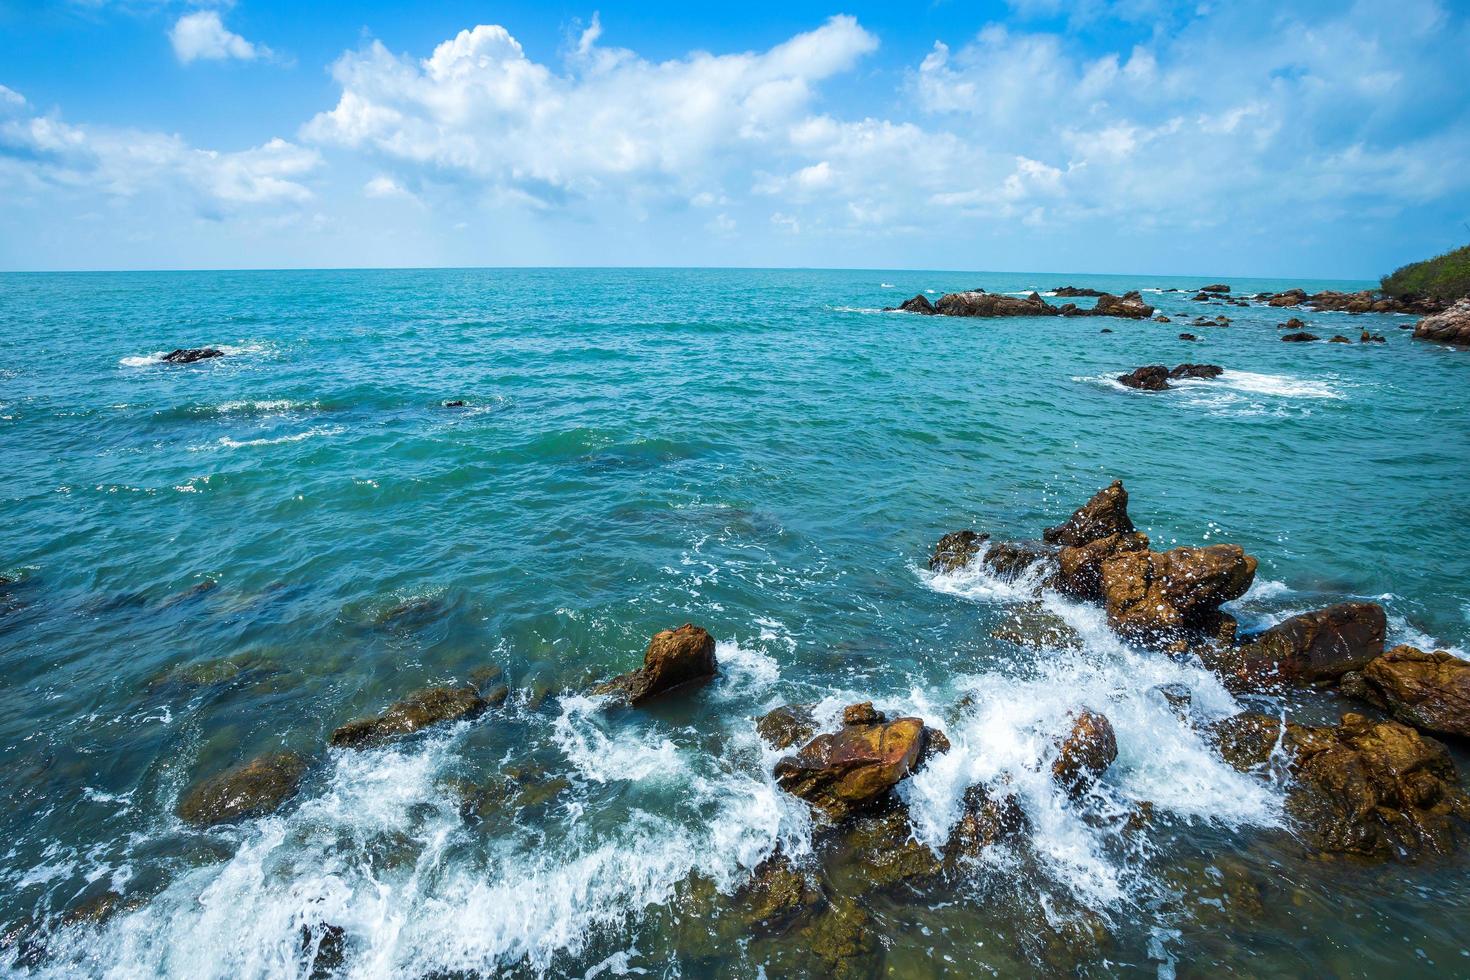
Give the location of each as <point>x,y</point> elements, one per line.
<point>674,658</point>
<point>251,789</point>
<point>1032,625</point>
<point>1152,596</point>
<point>456,403</point>
<point>188,355</point>
<point>1089,748</point>
<point>846,771</point>
<point>778,893</point>
<point>1301,337</point>
<point>986,819</point>
<point>420,710</point>
<point>787,725</point>
<point>919,304</point>
<point>1371,789</point>
<point>1338,339</point>
<point>1450,327</point>
<point>1154,377</point>
<point>1430,691</point>
<point>1188,336</point>
<point>1315,646</point>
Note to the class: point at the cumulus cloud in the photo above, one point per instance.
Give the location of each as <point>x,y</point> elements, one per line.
<point>202,35</point>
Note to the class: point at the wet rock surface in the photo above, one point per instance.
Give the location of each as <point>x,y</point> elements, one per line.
<point>1430,691</point>
<point>420,710</point>
<point>674,658</point>
<point>843,772</point>
<point>252,789</point>
<point>1313,646</point>
<point>1301,337</point>
<point>787,725</point>
<point>1151,596</point>
<point>1197,371</point>
<point>1450,327</point>
<point>918,304</point>
<point>189,355</point>
<point>1129,306</point>
<point>1154,377</point>
<point>1104,515</point>
<point>1088,749</point>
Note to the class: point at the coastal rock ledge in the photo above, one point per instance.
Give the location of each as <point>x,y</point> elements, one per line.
<point>1450,327</point>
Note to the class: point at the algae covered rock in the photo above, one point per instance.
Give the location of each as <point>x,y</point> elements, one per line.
<point>787,725</point>
<point>420,710</point>
<point>1314,646</point>
<point>251,789</point>
<point>955,550</point>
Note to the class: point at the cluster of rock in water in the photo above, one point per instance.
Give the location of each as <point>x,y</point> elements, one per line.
<point>1374,788</point>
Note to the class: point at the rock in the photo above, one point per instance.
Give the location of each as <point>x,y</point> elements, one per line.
<point>1162,319</point>
<point>955,550</point>
<point>1450,327</point>
<point>1085,754</point>
<point>1314,646</point>
<point>188,355</point>
<point>787,725</point>
<point>844,941</point>
<point>985,820</point>
<point>420,710</point>
<point>1010,560</point>
<point>777,894</point>
<point>1032,625</point>
<point>1079,567</point>
<point>843,772</point>
<point>877,849</point>
<point>1130,306</point>
<point>496,696</point>
<point>1073,291</point>
<point>674,658</point>
<point>1430,691</point>
<point>1104,515</point>
<point>1197,371</point>
<point>457,403</point>
<point>982,304</point>
<point>1178,697</point>
<point>1292,297</point>
<point>1188,336</point>
<point>1372,338</point>
<point>1106,330</point>
<point>252,789</point>
<point>1371,789</point>
<point>862,714</point>
<point>1338,339</point>
<point>919,304</point>
<point>1202,297</point>
<point>1151,596</point>
<point>1218,287</point>
<point>1154,377</point>
<point>324,947</point>
<point>1291,324</point>
<point>1302,337</point>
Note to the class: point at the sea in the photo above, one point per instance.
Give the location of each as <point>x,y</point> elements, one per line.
<point>212,561</point>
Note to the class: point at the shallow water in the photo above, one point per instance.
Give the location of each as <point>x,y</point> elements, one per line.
<point>761,452</point>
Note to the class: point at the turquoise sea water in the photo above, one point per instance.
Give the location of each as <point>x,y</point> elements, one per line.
<point>761,452</point>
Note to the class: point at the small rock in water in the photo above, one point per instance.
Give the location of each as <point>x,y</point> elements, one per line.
<point>420,710</point>
<point>188,355</point>
<point>955,550</point>
<point>1450,327</point>
<point>846,771</point>
<point>1300,337</point>
<point>1218,287</point>
<point>1154,377</point>
<point>252,789</point>
<point>1086,753</point>
<point>1338,339</point>
<point>787,725</point>
<point>1197,371</point>
<point>457,403</point>
<point>1430,691</point>
<point>1106,330</point>
<point>1162,319</point>
<point>1188,336</point>
<point>674,658</point>
<point>919,304</point>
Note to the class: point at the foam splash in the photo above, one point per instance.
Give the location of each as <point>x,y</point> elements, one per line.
<point>320,430</point>
<point>230,350</point>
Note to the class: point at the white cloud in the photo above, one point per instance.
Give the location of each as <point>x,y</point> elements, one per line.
<point>10,97</point>
<point>202,35</point>
<point>384,187</point>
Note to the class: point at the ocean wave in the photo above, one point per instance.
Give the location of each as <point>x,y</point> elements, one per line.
<point>1401,631</point>
<point>230,350</point>
<point>320,430</point>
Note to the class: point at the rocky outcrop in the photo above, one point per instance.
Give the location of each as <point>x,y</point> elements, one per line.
<point>1301,337</point>
<point>1363,301</point>
<point>1450,327</point>
<point>986,819</point>
<point>1007,559</point>
<point>1153,597</point>
<point>1316,646</point>
<point>1032,625</point>
<point>1072,292</point>
<point>1291,324</point>
<point>844,772</point>
<point>421,709</point>
<point>252,789</point>
<point>1104,515</point>
<point>1130,306</point>
<point>982,304</point>
<point>1079,567</point>
<point>1292,297</point>
<point>1218,287</point>
<point>188,355</point>
<point>919,304</point>
<point>674,658</point>
<point>1430,691</point>
<point>787,725</point>
<point>1154,377</point>
<point>1188,336</point>
<point>1372,338</point>
<point>1338,339</point>
<point>1196,371</point>
<point>955,550</point>
<point>1372,789</point>
<point>1087,751</point>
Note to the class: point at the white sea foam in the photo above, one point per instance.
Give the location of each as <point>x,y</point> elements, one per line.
<point>1282,385</point>
<point>580,732</point>
<point>885,285</point>
<point>745,671</point>
<point>1401,631</point>
<point>319,430</point>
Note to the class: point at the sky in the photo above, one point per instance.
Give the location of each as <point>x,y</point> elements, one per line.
<point>1311,139</point>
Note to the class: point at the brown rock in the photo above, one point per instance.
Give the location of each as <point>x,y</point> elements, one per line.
<point>1300,338</point>
<point>1073,291</point>
<point>1188,336</point>
<point>982,304</point>
<point>1450,327</point>
<point>1130,306</point>
<point>1338,339</point>
<point>420,710</point>
<point>777,894</point>
<point>252,789</point>
<point>1079,568</point>
<point>787,725</point>
<point>1292,324</point>
<point>955,550</point>
<point>919,304</point>
<point>1085,754</point>
<point>1292,297</point>
<point>846,771</point>
<point>1197,371</point>
<point>1430,691</point>
<point>1315,646</point>
<point>1106,514</point>
<point>1154,377</point>
<point>1151,596</point>
<point>986,820</point>
<point>674,658</point>
<point>1218,287</point>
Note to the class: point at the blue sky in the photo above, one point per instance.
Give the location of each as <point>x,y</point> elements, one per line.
<point>1292,139</point>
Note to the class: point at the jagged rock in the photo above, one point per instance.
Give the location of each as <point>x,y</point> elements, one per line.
<point>1197,371</point>
<point>1151,596</point>
<point>1079,567</point>
<point>674,658</point>
<point>1130,306</point>
<point>1430,691</point>
<point>1338,339</point>
<point>252,789</point>
<point>1299,338</point>
<point>1218,287</point>
<point>787,725</point>
<point>919,304</point>
<point>420,710</point>
<point>846,771</point>
<point>1292,297</point>
<point>982,304</point>
<point>1154,377</point>
<point>1188,336</point>
<point>1291,324</point>
<point>1011,559</point>
<point>1450,327</point>
<point>955,550</point>
<point>1372,338</point>
<point>1086,752</point>
<point>777,894</point>
<point>1105,514</point>
<point>877,849</point>
<point>188,355</point>
<point>1007,559</point>
<point>843,939</point>
<point>1372,789</point>
<point>985,820</point>
<point>1314,646</point>
<point>1073,291</point>
<point>324,948</point>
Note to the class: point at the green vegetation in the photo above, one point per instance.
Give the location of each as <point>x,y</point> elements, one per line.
<point>1445,277</point>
